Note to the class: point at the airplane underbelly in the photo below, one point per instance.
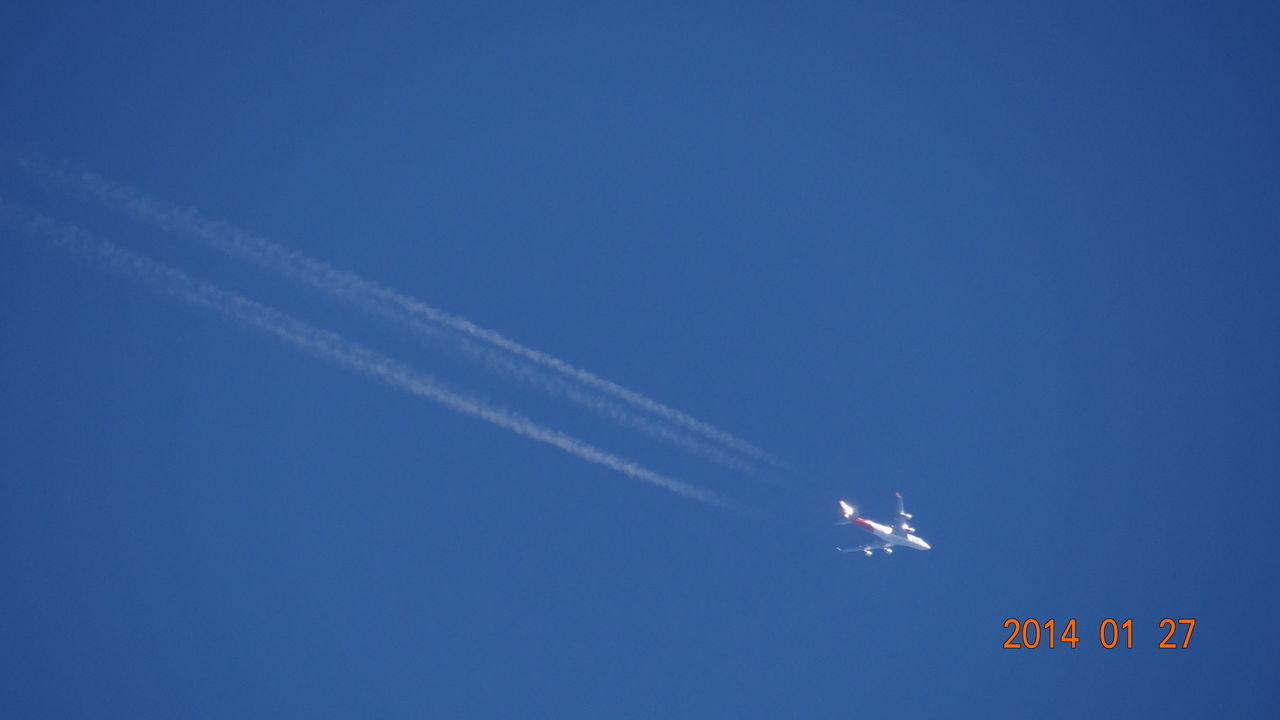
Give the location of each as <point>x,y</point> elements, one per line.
<point>907,540</point>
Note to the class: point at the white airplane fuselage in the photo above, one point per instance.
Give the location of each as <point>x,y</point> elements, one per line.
<point>885,534</point>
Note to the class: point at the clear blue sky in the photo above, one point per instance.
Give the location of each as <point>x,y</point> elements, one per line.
<point>1019,263</point>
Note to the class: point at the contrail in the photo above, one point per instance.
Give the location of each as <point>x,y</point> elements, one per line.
<point>397,306</point>
<point>331,346</point>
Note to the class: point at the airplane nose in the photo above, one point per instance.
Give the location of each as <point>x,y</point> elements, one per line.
<point>924,545</point>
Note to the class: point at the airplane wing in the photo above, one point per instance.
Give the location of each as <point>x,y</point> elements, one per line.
<point>902,527</point>
<point>861,548</point>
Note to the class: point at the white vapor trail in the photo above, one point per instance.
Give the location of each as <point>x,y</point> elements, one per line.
<point>480,343</point>
<point>331,346</point>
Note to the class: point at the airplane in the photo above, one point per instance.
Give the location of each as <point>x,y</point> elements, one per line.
<point>898,534</point>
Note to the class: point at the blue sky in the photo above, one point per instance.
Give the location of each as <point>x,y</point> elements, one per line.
<point>1018,263</point>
